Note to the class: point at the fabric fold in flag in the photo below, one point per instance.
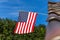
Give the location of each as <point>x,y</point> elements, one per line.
<point>25,22</point>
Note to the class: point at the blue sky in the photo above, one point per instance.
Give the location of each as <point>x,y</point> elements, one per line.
<point>10,9</point>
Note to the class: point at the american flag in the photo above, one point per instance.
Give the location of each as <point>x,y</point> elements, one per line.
<point>25,22</point>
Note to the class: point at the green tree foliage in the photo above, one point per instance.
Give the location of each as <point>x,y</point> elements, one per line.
<point>6,31</point>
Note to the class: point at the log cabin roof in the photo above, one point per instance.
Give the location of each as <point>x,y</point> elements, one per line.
<point>51,2</point>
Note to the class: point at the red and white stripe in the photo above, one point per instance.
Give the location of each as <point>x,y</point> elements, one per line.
<point>26,27</point>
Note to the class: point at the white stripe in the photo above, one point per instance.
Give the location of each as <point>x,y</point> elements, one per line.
<point>23,27</point>
<point>20,28</point>
<point>30,22</point>
<point>27,23</point>
<point>17,27</point>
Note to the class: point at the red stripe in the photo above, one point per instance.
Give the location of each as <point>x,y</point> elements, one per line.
<point>19,28</point>
<point>34,23</point>
<point>24,28</point>
<point>30,22</point>
<point>16,27</point>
